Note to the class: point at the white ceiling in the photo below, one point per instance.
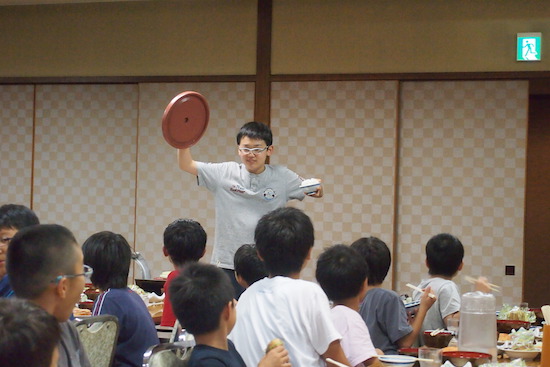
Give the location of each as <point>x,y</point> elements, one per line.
<point>34,2</point>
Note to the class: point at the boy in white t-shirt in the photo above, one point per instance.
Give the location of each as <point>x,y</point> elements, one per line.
<point>282,305</point>
<point>342,273</point>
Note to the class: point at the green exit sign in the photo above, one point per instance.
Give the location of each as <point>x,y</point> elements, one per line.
<point>529,46</point>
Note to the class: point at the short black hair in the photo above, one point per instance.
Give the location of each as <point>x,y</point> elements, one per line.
<point>28,334</point>
<point>377,255</point>
<point>109,254</point>
<point>199,295</point>
<point>248,264</point>
<point>184,240</point>
<point>37,255</point>
<point>341,272</point>
<point>284,238</point>
<point>17,216</point>
<point>444,254</point>
<point>255,130</point>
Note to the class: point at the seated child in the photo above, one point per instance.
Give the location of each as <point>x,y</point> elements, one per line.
<point>444,255</point>
<point>284,306</point>
<point>13,217</point>
<point>248,266</point>
<point>28,335</point>
<point>184,243</point>
<point>204,303</point>
<point>342,274</point>
<point>109,254</point>
<point>382,309</point>
<point>45,267</point>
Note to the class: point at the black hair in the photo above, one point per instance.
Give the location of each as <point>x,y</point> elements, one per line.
<point>377,255</point>
<point>109,254</point>
<point>444,254</point>
<point>255,130</point>
<point>199,295</point>
<point>341,272</point>
<point>28,334</point>
<point>248,264</point>
<point>37,255</point>
<point>284,238</point>
<point>17,216</point>
<point>184,240</point>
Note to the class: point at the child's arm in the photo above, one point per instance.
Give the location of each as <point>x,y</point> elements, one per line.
<point>335,352</point>
<point>425,303</point>
<point>186,162</point>
<point>276,357</point>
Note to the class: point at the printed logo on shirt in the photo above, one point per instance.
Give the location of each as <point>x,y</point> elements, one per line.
<point>238,189</point>
<point>269,194</point>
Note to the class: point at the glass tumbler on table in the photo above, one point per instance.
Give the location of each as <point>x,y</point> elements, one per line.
<point>429,357</point>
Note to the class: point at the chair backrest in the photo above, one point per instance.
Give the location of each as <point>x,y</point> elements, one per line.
<point>167,355</point>
<point>99,335</point>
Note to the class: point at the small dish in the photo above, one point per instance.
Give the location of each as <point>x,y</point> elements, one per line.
<point>460,358</point>
<point>397,360</point>
<point>310,186</point>
<point>526,355</point>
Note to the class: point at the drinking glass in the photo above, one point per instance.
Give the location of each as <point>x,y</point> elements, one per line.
<point>430,353</point>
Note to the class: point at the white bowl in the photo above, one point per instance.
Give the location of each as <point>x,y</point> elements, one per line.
<point>397,360</point>
<point>310,186</point>
<point>523,354</point>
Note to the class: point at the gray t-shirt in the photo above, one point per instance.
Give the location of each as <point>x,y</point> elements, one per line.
<point>386,317</point>
<point>447,303</point>
<point>241,199</point>
<point>71,351</point>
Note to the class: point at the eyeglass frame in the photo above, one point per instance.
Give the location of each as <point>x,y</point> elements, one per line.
<point>88,271</point>
<point>254,151</point>
<point>4,242</point>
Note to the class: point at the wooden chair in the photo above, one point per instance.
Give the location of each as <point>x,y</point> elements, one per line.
<point>99,335</point>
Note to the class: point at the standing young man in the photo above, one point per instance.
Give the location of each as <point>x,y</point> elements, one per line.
<point>245,191</point>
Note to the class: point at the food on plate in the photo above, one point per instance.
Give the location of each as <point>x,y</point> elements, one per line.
<point>508,312</point>
<point>81,312</point>
<point>273,344</point>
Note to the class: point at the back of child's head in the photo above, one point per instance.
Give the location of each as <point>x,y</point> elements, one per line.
<point>341,272</point>
<point>14,216</point>
<point>37,255</point>
<point>284,238</point>
<point>184,241</point>
<point>199,295</point>
<point>248,264</point>
<point>256,131</point>
<point>28,334</point>
<point>444,254</point>
<point>377,255</point>
<point>109,254</point>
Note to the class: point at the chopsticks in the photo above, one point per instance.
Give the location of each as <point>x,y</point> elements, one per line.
<point>398,356</point>
<point>436,331</point>
<point>336,362</point>
<point>431,295</point>
<point>493,287</point>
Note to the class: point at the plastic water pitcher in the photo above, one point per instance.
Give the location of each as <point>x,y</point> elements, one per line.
<point>478,323</point>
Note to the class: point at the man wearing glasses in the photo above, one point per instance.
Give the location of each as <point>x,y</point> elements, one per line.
<point>45,266</point>
<point>244,192</point>
<point>13,217</point>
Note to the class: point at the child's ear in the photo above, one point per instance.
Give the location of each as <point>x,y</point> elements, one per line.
<point>241,281</point>
<point>164,251</point>
<point>204,252</point>
<point>461,265</point>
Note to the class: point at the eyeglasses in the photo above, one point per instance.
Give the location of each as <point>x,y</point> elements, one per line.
<point>88,271</point>
<point>254,151</point>
<point>5,241</point>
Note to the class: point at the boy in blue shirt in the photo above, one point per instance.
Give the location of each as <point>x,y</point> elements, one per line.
<point>204,303</point>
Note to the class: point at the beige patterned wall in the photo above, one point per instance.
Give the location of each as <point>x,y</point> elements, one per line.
<point>101,163</point>
<point>343,133</point>
<point>85,160</point>
<point>166,193</point>
<point>462,171</point>
<point>16,121</point>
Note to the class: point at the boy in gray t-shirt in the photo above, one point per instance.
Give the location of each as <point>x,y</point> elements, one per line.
<point>244,191</point>
<point>382,309</point>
